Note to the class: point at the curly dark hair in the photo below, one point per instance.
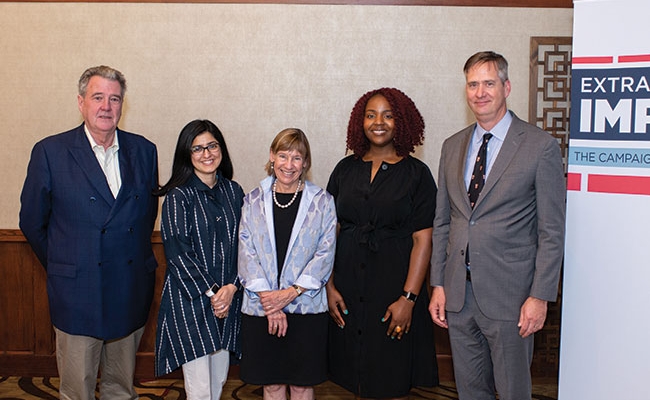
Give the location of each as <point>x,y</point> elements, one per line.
<point>409,124</point>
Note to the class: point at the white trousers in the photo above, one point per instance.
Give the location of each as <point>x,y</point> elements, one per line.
<point>204,377</point>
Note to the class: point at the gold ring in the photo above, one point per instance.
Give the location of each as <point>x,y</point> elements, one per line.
<point>398,329</point>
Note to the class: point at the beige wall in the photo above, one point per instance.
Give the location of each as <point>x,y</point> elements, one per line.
<point>252,69</point>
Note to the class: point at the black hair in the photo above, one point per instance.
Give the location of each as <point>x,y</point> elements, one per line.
<point>182,168</point>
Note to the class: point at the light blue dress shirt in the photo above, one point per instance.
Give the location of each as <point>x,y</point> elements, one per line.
<point>494,146</point>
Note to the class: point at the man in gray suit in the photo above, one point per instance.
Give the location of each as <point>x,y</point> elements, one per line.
<point>496,257</point>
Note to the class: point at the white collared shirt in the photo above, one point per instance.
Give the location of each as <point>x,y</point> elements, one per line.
<point>109,161</point>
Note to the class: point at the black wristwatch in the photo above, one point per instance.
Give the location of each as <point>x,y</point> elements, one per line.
<point>410,296</point>
<point>212,291</point>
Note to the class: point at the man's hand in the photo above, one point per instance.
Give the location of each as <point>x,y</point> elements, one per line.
<point>437,307</point>
<point>532,316</point>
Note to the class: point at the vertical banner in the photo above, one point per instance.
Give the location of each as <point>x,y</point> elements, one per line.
<point>604,349</point>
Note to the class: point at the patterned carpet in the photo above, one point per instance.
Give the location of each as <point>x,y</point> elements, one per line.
<point>172,389</point>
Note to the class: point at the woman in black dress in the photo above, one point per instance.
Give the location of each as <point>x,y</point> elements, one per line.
<point>381,335</point>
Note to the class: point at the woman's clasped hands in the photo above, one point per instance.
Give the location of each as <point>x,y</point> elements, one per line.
<point>273,302</point>
<point>221,300</point>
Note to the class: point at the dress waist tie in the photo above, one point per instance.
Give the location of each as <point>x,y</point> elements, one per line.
<point>370,236</point>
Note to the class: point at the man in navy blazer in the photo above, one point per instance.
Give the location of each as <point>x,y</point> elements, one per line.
<point>88,212</point>
<point>496,263</point>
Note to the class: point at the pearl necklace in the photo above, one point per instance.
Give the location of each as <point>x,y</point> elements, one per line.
<point>295,195</point>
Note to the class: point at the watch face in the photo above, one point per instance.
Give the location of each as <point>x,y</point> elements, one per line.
<point>410,296</point>
<point>212,291</point>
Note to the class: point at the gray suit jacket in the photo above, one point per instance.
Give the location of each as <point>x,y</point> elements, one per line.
<point>515,231</point>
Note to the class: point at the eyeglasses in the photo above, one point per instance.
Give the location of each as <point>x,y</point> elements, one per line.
<point>211,147</point>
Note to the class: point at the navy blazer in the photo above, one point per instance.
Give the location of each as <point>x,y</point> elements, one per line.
<point>96,249</point>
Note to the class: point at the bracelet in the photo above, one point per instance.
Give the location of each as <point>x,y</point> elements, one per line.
<point>410,296</point>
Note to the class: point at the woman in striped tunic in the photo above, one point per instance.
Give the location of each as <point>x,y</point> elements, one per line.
<point>199,317</point>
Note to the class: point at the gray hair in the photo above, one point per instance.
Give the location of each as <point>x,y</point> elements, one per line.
<point>483,57</point>
<point>104,72</point>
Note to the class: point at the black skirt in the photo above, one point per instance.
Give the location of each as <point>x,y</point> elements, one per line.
<point>299,358</point>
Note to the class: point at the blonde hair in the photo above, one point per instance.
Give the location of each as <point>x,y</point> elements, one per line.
<point>291,139</point>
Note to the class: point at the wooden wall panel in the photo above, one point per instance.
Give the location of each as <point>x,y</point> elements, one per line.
<point>18,321</point>
<point>26,335</point>
<point>27,346</point>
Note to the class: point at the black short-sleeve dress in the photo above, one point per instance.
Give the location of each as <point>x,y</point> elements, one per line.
<point>377,220</point>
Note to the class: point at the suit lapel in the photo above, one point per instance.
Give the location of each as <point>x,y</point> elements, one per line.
<point>508,150</point>
<point>83,155</point>
<point>460,179</point>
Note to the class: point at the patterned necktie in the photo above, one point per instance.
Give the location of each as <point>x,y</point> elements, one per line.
<point>478,176</point>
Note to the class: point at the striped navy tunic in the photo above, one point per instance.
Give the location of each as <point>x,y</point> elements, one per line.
<point>199,228</point>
